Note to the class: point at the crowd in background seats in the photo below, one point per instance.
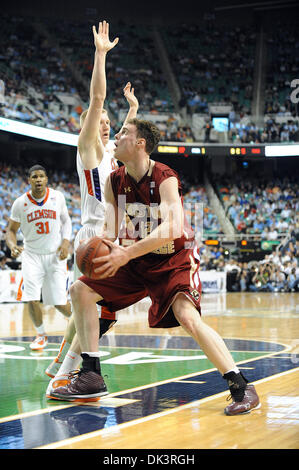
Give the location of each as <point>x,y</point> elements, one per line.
<point>282,68</point>
<point>36,68</point>
<point>258,206</point>
<point>272,132</point>
<point>213,63</point>
<point>276,272</point>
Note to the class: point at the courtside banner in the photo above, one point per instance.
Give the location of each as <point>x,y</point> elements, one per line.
<point>10,283</point>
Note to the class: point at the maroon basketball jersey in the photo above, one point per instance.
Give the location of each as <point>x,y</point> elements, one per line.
<point>141,201</point>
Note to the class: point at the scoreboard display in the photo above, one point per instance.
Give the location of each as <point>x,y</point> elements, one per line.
<point>252,151</point>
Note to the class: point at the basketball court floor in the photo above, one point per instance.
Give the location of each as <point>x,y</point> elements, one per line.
<point>164,393</point>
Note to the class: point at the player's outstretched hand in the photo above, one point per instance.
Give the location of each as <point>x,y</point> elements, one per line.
<point>130,96</point>
<point>101,38</point>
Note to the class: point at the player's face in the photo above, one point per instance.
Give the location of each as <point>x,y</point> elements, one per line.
<point>125,142</point>
<point>38,181</point>
<point>105,128</point>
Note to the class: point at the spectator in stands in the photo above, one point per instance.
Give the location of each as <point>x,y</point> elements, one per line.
<point>261,280</point>
<point>278,279</point>
<point>292,281</point>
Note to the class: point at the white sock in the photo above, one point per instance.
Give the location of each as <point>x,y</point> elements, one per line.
<point>235,370</point>
<point>71,361</point>
<point>40,329</point>
<point>93,354</point>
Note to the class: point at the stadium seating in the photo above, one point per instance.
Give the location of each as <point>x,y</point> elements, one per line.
<point>46,68</point>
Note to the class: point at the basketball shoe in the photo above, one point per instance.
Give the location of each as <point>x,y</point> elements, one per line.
<point>40,342</point>
<point>84,385</point>
<point>59,381</point>
<point>249,402</point>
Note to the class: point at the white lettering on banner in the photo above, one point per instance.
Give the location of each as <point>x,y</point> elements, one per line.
<point>213,281</point>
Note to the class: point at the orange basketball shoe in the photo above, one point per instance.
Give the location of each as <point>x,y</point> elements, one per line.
<point>40,342</point>
<point>59,381</point>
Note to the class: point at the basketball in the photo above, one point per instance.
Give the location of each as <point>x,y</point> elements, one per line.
<point>87,251</point>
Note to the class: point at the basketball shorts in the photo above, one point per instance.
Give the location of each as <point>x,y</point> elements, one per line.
<point>162,279</point>
<point>85,232</point>
<point>43,277</point>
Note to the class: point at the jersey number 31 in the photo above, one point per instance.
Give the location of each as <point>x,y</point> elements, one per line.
<point>42,227</point>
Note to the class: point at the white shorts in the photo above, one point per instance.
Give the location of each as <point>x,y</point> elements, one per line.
<point>44,277</point>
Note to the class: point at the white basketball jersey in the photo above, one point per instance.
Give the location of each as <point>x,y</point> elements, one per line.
<point>92,184</point>
<point>40,222</point>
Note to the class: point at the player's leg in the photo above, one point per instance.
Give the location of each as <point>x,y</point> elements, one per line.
<point>208,339</point>
<point>107,318</point>
<point>119,292</point>
<point>33,275</point>
<point>69,358</point>
<point>53,369</point>
<point>65,309</point>
<point>85,312</point>
<point>69,354</point>
<point>244,395</point>
<point>36,314</point>
<point>89,384</point>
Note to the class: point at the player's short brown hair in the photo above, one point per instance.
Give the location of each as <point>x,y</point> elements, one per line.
<point>84,113</point>
<point>36,168</point>
<point>149,131</point>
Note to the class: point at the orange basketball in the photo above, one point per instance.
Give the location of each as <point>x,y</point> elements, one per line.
<point>88,250</point>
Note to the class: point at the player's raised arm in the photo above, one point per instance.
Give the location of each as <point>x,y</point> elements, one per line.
<point>129,94</point>
<point>89,142</point>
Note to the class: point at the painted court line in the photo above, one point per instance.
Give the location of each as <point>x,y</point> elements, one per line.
<point>134,389</point>
<point>114,429</point>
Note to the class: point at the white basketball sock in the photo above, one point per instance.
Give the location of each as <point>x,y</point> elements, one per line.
<point>235,370</point>
<point>41,330</point>
<point>92,354</point>
<point>71,362</point>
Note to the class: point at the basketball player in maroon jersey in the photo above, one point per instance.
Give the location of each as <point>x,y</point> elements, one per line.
<point>156,257</point>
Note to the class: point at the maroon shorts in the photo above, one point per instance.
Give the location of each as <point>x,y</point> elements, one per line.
<point>160,278</point>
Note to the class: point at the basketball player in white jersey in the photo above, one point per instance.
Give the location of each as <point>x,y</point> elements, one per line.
<point>42,216</point>
<point>95,161</point>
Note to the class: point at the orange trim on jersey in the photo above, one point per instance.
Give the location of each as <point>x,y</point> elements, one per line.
<point>38,203</point>
<point>106,314</point>
<point>19,293</point>
<point>88,182</point>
